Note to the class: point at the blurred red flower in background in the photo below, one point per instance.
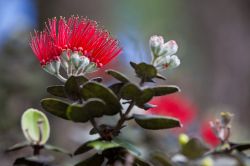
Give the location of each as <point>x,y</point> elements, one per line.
<point>174,106</point>
<point>208,134</point>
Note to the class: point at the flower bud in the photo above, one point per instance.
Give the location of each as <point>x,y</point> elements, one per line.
<point>183,139</point>
<point>168,48</point>
<point>226,118</point>
<point>174,62</point>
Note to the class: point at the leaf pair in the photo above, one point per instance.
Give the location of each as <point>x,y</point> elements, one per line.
<point>140,96</point>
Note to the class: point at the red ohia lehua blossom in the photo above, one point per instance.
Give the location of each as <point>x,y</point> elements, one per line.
<point>77,44</point>
<point>209,135</point>
<point>176,106</point>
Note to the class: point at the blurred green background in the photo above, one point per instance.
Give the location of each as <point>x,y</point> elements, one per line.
<point>214,46</point>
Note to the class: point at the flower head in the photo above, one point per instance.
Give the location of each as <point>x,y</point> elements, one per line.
<point>176,106</point>
<point>77,43</point>
<point>208,135</point>
<point>163,53</point>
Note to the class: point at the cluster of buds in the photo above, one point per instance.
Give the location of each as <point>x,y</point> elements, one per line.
<point>163,53</point>
<point>76,44</point>
<point>221,127</point>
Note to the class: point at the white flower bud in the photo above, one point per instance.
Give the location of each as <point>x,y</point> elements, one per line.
<point>168,48</point>
<point>174,62</point>
<point>156,41</point>
<point>75,59</point>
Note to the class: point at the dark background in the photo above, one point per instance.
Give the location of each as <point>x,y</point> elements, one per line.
<point>214,48</point>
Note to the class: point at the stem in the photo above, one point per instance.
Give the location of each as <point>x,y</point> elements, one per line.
<point>61,78</point>
<point>124,116</point>
<point>36,149</point>
<point>94,124</point>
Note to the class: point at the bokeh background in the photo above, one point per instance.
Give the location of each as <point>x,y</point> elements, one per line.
<point>214,48</point>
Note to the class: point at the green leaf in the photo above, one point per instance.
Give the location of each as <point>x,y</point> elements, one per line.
<point>84,148</point>
<point>18,146</point>
<point>240,147</point>
<point>194,149</point>
<point>139,162</point>
<point>144,71</point>
<point>147,106</point>
<point>103,145</point>
<point>97,90</point>
<point>146,96</point>
<point>57,90</point>
<point>55,107</point>
<point>56,149</point>
<point>35,126</point>
<point>165,90</point>
<point>34,161</point>
<point>162,159</point>
<point>132,92</point>
<point>117,75</point>
<point>116,88</point>
<point>160,77</point>
<point>94,160</point>
<point>82,113</point>
<point>97,79</point>
<point>155,122</point>
<point>73,85</point>
<point>125,144</point>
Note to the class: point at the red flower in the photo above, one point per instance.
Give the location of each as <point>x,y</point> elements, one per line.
<point>74,34</point>
<point>208,134</point>
<point>175,106</point>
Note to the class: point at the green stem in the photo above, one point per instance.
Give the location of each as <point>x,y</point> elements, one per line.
<point>94,124</point>
<point>124,116</point>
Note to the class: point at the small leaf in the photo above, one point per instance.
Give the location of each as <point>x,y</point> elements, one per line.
<point>138,161</point>
<point>116,88</point>
<point>35,126</point>
<point>18,146</point>
<point>117,75</point>
<point>162,159</point>
<point>97,90</point>
<point>165,90</point>
<point>160,77</point>
<point>34,161</point>
<point>194,148</point>
<point>155,122</point>
<point>82,113</point>
<point>84,148</point>
<point>94,160</point>
<point>146,96</point>
<point>125,144</point>
<point>57,90</point>
<point>130,91</point>
<point>56,149</point>
<point>73,85</point>
<point>55,107</point>
<point>147,106</point>
<point>144,71</point>
<point>97,79</point>
<point>240,147</point>
<point>103,145</point>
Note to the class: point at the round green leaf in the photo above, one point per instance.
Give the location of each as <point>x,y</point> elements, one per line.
<point>72,86</point>
<point>35,126</point>
<point>155,122</point>
<point>57,90</point>
<point>130,92</point>
<point>55,107</point>
<point>97,90</point>
<point>82,113</point>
